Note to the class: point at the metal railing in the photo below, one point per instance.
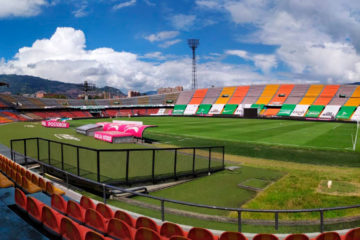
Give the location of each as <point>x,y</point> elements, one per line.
<point>240,211</point>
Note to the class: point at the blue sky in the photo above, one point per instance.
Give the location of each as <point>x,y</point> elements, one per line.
<point>142,44</point>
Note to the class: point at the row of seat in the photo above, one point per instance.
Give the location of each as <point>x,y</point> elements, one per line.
<point>87,220</point>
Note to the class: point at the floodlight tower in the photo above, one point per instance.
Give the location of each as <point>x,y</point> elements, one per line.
<point>193,44</point>
<point>88,87</point>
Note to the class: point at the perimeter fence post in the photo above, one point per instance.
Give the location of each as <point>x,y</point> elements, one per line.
<point>239,221</point>
<point>11,150</point>
<point>98,164</point>
<point>25,154</point>
<point>49,152</point>
<point>62,156</point>
<point>175,161</point>
<point>77,161</point>
<point>162,210</point>
<point>321,221</point>
<point>276,220</point>
<point>104,193</point>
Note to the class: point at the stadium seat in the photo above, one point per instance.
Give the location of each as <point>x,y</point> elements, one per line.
<point>95,220</point>
<point>200,234</point>
<point>265,236</point>
<point>91,235</point>
<point>233,236</point>
<point>105,210</point>
<point>179,238</point>
<point>58,203</point>
<point>20,199</point>
<point>28,174</point>
<point>297,237</point>
<point>75,211</point>
<point>29,186</point>
<point>42,184</point>
<point>23,172</point>
<point>13,175</point>
<point>71,230</point>
<point>87,203</point>
<point>34,179</point>
<point>51,220</point>
<point>146,223</point>
<point>168,230</point>
<point>120,230</point>
<point>353,234</point>
<point>146,234</point>
<point>18,178</point>
<point>34,209</point>
<point>51,189</point>
<point>328,236</point>
<point>5,182</point>
<point>124,216</point>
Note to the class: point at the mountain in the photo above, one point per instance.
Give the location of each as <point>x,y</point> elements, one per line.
<point>23,84</point>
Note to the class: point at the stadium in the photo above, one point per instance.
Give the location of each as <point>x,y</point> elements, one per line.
<point>269,153</point>
<point>254,136</point>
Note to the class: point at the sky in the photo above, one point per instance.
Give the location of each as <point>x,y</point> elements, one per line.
<point>142,44</point>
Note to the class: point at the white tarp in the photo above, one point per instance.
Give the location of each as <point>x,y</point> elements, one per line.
<point>299,111</point>
<point>160,112</point>
<point>240,109</point>
<point>216,109</point>
<point>356,116</point>
<point>191,109</point>
<point>330,111</point>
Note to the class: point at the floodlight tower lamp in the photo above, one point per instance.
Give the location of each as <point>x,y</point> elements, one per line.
<point>193,44</point>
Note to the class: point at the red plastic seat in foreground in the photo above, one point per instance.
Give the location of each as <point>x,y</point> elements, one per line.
<point>34,208</point>
<point>328,236</point>
<point>119,229</point>
<point>233,236</point>
<point>75,211</point>
<point>71,230</point>
<point>95,220</point>
<point>179,238</point>
<point>58,203</point>
<point>87,203</point>
<point>200,234</point>
<point>168,230</point>
<point>51,220</point>
<point>353,234</point>
<point>91,235</point>
<point>146,223</point>
<point>124,216</point>
<point>146,234</point>
<point>264,236</point>
<point>105,211</point>
<point>20,199</point>
<point>297,237</point>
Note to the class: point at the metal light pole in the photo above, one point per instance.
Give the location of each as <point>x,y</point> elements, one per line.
<point>193,44</point>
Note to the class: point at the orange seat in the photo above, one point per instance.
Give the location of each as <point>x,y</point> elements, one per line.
<point>28,175</point>
<point>119,229</point>
<point>23,171</point>
<point>86,203</point>
<point>95,220</point>
<point>71,230</point>
<point>297,237</point>
<point>124,216</point>
<point>29,186</point>
<point>20,199</point>
<point>75,211</point>
<point>264,236</point>
<point>328,236</point>
<point>168,230</point>
<point>14,174</point>
<point>146,234</point>
<point>34,208</point>
<point>200,234</point>
<point>35,179</point>
<point>353,234</point>
<point>105,210</point>
<point>5,182</point>
<point>42,184</point>
<point>146,223</point>
<point>51,189</point>
<point>51,220</point>
<point>232,236</point>
<point>18,178</point>
<point>58,203</point>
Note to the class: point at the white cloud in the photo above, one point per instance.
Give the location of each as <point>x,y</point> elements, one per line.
<point>124,4</point>
<point>149,3</point>
<point>263,61</point>
<point>64,57</point>
<point>211,4</point>
<point>81,11</point>
<point>160,36</point>
<point>169,43</point>
<point>21,8</point>
<point>182,21</point>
